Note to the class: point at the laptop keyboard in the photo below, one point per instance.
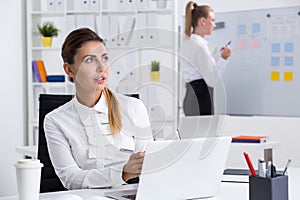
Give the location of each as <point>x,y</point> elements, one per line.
<point>130,196</point>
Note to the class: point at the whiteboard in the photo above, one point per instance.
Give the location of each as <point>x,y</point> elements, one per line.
<point>263,73</point>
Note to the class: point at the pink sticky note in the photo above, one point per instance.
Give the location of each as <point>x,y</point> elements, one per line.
<point>241,44</point>
<point>256,43</point>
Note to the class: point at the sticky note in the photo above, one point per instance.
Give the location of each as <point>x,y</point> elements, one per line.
<point>275,47</point>
<point>275,61</point>
<point>288,47</point>
<point>256,28</point>
<point>241,44</point>
<point>275,76</point>
<point>288,76</point>
<point>256,43</point>
<point>288,61</point>
<point>242,29</point>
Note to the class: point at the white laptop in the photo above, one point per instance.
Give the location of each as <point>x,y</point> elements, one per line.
<point>201,126</point>
<point>180,169</point>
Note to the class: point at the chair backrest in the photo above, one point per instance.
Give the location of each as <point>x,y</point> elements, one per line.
<point>49,180</point>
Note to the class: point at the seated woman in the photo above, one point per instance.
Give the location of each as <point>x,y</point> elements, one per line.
<point>90,138</point>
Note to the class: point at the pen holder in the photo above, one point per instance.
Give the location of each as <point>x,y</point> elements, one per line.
<point>261,188</point>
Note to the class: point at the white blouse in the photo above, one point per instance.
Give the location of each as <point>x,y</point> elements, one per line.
<point>196,61</point>
<point>83,151</point>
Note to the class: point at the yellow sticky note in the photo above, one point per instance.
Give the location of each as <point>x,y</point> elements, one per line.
<point>288,76</point>
<point>275,76</point>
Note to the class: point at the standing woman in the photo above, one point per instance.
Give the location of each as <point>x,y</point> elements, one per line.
<point>97,139</point>
<point>200,71</point>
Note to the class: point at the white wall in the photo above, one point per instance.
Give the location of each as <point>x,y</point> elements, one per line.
<point>12,89</point>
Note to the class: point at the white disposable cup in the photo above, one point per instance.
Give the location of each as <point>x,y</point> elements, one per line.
<point>28,173</point>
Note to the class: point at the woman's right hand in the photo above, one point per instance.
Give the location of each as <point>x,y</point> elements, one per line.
<point>226,52</point>
<point>133,167</point>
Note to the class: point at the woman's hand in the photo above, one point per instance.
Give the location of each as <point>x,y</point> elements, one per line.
<point>133,167</point>
<point>226,52</point>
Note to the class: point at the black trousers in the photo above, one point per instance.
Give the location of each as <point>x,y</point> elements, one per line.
<point>198,99</point>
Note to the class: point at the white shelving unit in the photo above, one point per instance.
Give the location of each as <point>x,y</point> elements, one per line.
<point>136,32</point>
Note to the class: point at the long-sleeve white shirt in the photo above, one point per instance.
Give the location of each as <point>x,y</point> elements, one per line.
<point>196,61</point>
<point>83,151</point>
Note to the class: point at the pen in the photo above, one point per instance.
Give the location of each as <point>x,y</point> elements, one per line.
<point>269,169</point>
<point>286,166</point>
<point>249,164</point>
<point>228,43</point>
<point>126,150</point>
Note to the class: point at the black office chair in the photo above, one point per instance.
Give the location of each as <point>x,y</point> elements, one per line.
<point>49,180</point>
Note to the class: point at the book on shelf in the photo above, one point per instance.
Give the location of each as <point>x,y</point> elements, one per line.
<point>39,70</point>
<point>36,71</point>
<point>55,78</point>
<point>249,139</point>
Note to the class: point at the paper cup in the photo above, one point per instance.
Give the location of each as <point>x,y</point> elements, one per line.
<point>28,173</point>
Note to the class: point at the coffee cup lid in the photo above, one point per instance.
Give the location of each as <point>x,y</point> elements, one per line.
<point>28,163</point>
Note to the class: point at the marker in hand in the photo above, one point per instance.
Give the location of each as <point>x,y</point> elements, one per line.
<point>228,43</point>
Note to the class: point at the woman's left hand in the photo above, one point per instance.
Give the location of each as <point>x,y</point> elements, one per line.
<point>133,167</point>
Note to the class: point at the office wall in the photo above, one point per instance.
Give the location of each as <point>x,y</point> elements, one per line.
<point>12,85</point>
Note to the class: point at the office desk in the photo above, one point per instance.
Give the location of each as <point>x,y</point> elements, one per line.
<point>228,190</point>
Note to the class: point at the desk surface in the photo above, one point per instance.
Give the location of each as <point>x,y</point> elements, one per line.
<point>228,190</point>
<point>225,193</point>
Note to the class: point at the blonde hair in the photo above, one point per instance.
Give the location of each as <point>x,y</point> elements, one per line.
<point>192,13</point>
<point>114,116</point>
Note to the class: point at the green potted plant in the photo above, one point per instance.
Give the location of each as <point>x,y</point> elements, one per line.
<point>48,30</point>
<point>154,74</point>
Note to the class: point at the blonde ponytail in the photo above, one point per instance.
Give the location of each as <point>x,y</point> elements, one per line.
<point>188,18</point>
<point>114,116</point>
<point>192,13</point>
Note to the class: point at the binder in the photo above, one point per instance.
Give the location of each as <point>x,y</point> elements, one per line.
<point>89,21</point>
<point>152,31</point>
<point>36,71</point>
<point>59,5</point>
<point>114,30</point>
<point>141,32</point>
<point>42,70</point>
<point>126,31</point>
<point>131,4</point>
<point>94,5</point>
<point>122,4</point>
<point>51,5</point>
<point>70,23</point>
<point>80,5</point>
<point>80,21</point>
<point>141,4</point>
<point>103,27</point>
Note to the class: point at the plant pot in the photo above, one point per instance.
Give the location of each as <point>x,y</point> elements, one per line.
<point>154,76</point>
<point>161,4</point>
<point>47,41</point>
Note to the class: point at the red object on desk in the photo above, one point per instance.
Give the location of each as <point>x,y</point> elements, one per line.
<point>249,164</point>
